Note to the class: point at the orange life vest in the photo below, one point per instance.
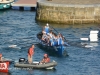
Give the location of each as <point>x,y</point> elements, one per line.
<point>31,51</point>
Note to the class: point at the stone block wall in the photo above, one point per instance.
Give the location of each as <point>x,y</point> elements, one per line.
<point>68,14</point>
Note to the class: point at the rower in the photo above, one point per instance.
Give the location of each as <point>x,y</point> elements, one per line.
<point>44,36</point>
<point>60,41</point>
<point>51,42</point>
<point>46,28</point>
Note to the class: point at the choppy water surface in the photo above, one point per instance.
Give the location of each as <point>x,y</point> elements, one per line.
<point>19,28</point>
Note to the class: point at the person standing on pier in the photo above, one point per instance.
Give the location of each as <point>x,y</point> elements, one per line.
<point>30,54</point>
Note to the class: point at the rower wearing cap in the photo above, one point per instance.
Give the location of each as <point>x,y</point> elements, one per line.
<point>46,28</point>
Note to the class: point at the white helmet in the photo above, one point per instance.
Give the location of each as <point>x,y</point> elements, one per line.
<point>47,24</point>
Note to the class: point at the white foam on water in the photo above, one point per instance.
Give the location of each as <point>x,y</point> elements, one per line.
<point>14,46</point>
<point>86,39</point>
<point>88,46</point>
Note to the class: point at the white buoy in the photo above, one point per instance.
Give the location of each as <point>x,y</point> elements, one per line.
<point>94,32</point>
<point>93,35</point>
<point>84,39</point>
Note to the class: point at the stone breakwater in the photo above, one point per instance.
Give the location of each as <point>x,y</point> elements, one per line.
<point>67,13</point>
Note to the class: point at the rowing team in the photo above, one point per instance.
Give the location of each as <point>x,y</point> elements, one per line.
<point>51,38</point>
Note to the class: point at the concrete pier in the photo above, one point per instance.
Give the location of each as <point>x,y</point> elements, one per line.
<point>68,12</point>
<point>25,3</point>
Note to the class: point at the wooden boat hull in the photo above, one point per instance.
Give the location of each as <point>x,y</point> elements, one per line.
<point>54,49</point>
<point>35,65</point>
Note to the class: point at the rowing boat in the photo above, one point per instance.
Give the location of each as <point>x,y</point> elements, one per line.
<point>59,49</point>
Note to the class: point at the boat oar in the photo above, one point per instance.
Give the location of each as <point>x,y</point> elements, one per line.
<point>68,43</point>
<point>72,43</point>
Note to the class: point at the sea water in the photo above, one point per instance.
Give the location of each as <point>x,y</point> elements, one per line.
<point>18,30</point>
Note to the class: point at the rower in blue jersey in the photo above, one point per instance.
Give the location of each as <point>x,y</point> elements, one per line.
<point>46,28</point>
<point>60,41</point>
